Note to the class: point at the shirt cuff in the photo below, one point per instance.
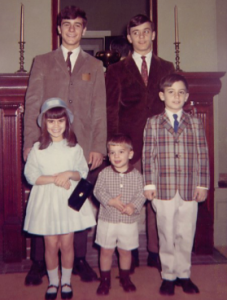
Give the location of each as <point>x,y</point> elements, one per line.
<point>149,187</point>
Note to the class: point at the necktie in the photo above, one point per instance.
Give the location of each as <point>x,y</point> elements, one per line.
<point>68,62</point>
<point>144,71</point>
<point>176,123</point>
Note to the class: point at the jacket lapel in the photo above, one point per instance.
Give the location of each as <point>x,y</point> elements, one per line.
<point>154,70</point>
<point>59,59</point>
<point>132,70</point>
<point>165,122</point>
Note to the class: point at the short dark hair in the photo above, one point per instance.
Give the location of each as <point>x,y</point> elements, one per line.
<point>121,45</point>
<point>120,138</point>
<point>56,113</point>
<point>170,79</point>
<point>138,20</point>
<point>71,13</point>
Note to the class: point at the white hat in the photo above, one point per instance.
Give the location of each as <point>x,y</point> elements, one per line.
<point>51,103</point>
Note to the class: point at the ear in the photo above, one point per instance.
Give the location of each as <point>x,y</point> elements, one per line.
<point>84,31</point>
<point>186,97</point>
<point>59,30</point>
<point>153,35</point>
<point>131,153</point>
<point>161,96</point>
<point>129,39</point>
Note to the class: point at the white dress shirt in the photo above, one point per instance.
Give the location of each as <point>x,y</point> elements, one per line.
<point>138,60</point>
<point>73,56</point>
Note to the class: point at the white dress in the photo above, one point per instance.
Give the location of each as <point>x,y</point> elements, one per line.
<point>47,211</point>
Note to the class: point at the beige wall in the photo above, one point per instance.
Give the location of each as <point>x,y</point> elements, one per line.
<point>37,31</point>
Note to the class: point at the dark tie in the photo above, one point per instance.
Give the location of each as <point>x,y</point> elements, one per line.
<point>68,62</point>
<point>176,123</point>
<point>144,71</point>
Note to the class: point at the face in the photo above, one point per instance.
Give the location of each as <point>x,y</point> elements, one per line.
<point>141,38</point>
<point>174,96</point>
<point>119,156</point>
<point>71,32</point>
<point>56,128</point>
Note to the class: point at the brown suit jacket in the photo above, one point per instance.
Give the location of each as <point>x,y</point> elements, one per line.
<point>175,161</point>
<point>130,102</point>
<point>83,91</point>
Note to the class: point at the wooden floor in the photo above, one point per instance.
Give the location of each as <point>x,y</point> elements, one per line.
<point>211,280</point>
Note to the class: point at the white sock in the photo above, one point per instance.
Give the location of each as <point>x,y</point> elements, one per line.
<point>66,278</point>
<point>53,279</point>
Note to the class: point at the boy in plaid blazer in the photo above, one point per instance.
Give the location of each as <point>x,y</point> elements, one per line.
<point>176,176</point>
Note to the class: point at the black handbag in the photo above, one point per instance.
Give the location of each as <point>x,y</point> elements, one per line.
<point>81,192</point>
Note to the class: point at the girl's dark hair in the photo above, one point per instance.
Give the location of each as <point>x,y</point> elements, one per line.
<point>56,113</point>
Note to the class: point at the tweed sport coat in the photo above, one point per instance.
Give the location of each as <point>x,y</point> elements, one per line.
<point>130,102</point>
<point>83,91</point>
<point>175,161</point>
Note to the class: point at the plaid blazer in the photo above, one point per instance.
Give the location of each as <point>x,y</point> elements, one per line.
<point>175,161</point>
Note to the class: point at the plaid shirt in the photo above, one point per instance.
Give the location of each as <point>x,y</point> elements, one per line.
<point>175,161</point>
<point>110,184</point>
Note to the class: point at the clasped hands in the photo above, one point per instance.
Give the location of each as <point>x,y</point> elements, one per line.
<point>62,179</point>
<point>127,209</point>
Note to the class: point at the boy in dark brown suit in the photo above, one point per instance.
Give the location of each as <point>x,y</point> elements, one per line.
<point>132,96</point>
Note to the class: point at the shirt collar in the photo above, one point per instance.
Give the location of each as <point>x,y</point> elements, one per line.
<point>65,51</point>
<point>130,168</point>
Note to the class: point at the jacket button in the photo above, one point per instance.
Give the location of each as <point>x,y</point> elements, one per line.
<point>70,101</point>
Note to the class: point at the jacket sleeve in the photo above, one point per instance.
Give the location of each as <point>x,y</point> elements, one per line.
<point>149,154</point>
<point>138,198</point>
<point>100,190</point>
<point>203,170</point>
<point>113,96</point>
<point>99,113</point>
<point>33,102</point>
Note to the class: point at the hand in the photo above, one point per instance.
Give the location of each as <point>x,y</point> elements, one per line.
<point>200,195</point>
<point>116,202</point>
<point>62,179</point>
<point>150,194</point>
<point>129,209</point>
<point>25,153</point>
<point>95,159</point>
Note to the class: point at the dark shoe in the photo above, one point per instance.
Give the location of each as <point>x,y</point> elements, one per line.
<point>126,282</point>
<point>35,274</point>
<point>66,295</point>
<point>104,286</point>
<point>51,295</point>
<point>82,268</point>
<point>167,287</point>
<point>153,260</point>
<point>187,285</point>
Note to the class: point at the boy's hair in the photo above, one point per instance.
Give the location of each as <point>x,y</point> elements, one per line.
<point>71,13</point>
<point>56,113</point>
<point>138,20</point>
<point>121,45</point>
<point>120,139</point>
<point>170,79</point>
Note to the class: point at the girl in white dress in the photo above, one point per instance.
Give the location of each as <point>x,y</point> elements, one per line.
<point>54,166</point>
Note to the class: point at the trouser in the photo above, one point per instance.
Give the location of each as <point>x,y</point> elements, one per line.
<point>152,233</point>
<point>38,249</point>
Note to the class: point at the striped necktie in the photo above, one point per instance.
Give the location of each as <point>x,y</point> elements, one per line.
<point>144,71</point>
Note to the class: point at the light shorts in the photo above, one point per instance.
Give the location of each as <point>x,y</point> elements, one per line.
<point>121,235</point>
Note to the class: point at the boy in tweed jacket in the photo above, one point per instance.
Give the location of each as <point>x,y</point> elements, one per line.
<point>176,176</point>
<point>119,189</point>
